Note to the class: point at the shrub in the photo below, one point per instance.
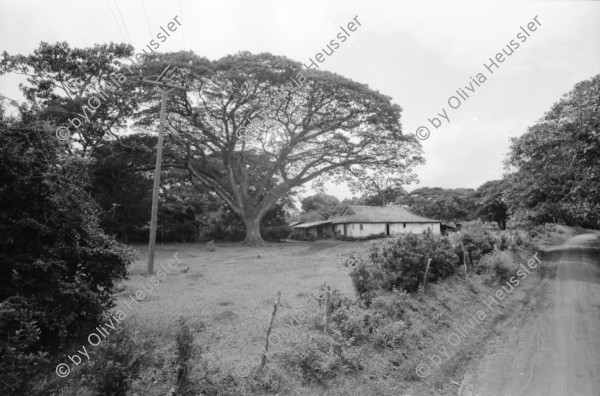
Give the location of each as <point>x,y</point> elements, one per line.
<point>114,365</point>
<point>336,299</point>
<point>399,263</point>
<point>56,264</point>
<point>391,305</point>
<point>366,280</point>
<point>18,336</point>
<point>276,234</point>
<point>500,262</point>
<point>320,359</point>
<point>355,324</point>
<point>390,335</point>
<point>479,243</point>
<point>184,342</point>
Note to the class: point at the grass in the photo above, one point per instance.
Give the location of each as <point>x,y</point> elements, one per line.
<point>230,292</point>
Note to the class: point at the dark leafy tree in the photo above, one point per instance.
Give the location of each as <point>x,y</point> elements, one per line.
<point>554,167</point>
<point>442,204</point>
<point>381,189</point>
<point>492,205</point>
<point>122,191</point>
<point>87,90</point>
<point>324,205</point>
<point>57,267</point>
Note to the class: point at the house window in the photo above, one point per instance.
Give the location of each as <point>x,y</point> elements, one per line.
<point>361,227</point>
<point>404,225</point>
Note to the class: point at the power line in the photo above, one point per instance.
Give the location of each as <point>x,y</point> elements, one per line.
<point>147,19</point>
<point>116,22</point>
<point>124,24</point>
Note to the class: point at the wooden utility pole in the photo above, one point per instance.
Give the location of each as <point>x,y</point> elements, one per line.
<point>165,89</point>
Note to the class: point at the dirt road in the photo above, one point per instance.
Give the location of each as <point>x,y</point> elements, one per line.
<point>554,349</point>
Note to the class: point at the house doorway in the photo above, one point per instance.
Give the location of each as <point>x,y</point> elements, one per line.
<point>387,230</point>
<point>345,229</point>
<point>319,231</point>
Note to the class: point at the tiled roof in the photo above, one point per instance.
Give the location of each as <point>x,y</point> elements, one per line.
<point>379,214</point>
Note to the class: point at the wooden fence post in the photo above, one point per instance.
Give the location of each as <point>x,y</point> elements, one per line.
<point>263,358</point>
<point>426,272</point>
<point>326,318</point>
<point>464,258</point>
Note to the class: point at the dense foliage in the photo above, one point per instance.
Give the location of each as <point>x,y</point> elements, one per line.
<point>57,267</point>
<point>556,163</point>
<point>441,203</point>
<point>491,201</point>
<point>400,263</point>
<point>62,83</point>
<point>325,206</point>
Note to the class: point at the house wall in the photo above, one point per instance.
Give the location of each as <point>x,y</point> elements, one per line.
<point>371,229</point>
<point>306,232</point>
<point>327,229</point>
<point>354,231</point>
<point>311,231</point>
<point>415,228</point>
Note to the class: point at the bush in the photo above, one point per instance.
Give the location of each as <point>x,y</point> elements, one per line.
<point>18,336</point>
<point>276,234</point>
<point>320,359</point>
<point>114,366</point>
<point>390,305</point>
<point>477,243</point>
<point>354,324</point>
<point>500,262</point>
<point>184,342</point>
<point>390,335</point>
<point>399,263</point>
<point>57,267</point>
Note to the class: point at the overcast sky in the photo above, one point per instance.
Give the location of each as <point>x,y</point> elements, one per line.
<point>418,53</point>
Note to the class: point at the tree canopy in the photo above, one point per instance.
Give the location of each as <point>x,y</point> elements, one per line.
<point>441,203</point>
<point>491,202</point>
<point>82,89</point>
<point>324,205</point>
<point>554,168</point>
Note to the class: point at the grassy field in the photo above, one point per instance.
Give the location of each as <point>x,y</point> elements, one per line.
<point>227,295</point>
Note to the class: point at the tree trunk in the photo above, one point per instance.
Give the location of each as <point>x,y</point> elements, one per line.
<point>253,237</point>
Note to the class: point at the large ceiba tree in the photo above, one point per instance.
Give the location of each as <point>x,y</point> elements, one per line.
<point>253,127</point>
<point>556,164</point>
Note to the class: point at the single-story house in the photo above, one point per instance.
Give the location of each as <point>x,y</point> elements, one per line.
<point>361,221</point>
<point>315,229</point>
